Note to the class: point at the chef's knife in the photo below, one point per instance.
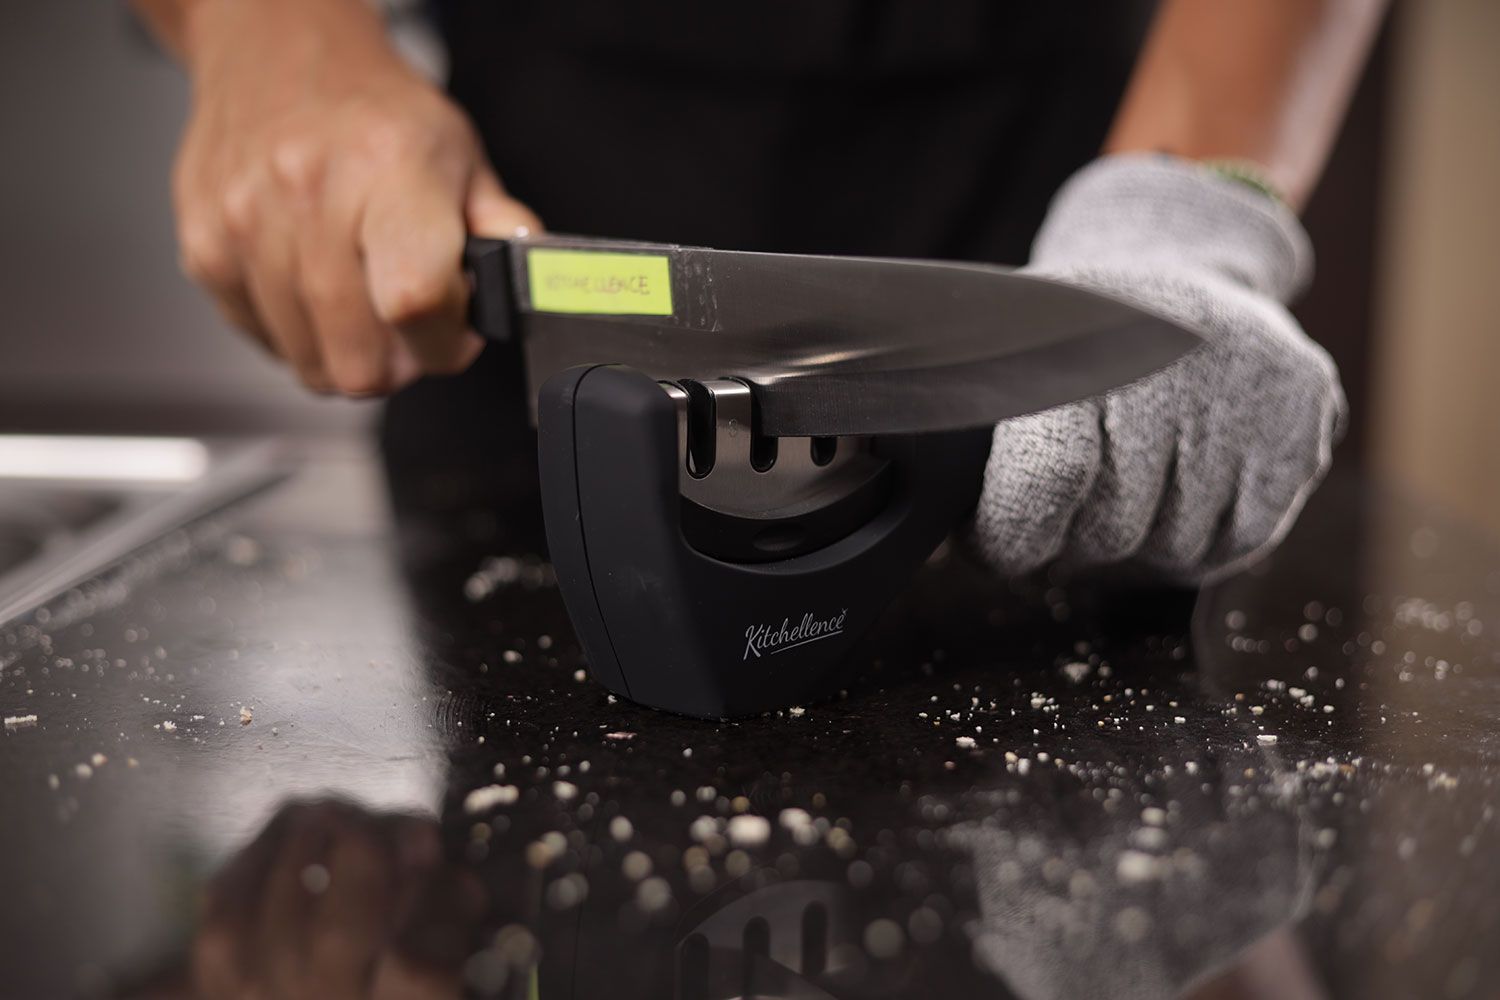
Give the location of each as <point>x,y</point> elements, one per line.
<point>833,345</point>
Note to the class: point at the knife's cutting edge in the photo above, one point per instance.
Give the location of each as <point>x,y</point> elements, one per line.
<point>834,345</point>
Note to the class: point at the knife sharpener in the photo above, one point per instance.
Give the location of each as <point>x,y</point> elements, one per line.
<point>715,572</point>
<point>711,569</point>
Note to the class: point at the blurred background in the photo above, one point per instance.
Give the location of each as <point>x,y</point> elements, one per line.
<point>103,334</point>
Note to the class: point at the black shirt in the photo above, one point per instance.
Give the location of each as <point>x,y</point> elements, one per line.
<point>926,128</point>
<point>903,127</point>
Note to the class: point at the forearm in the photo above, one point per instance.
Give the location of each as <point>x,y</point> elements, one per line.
<point>167,20</point>
<point>1265,81</point>
<point>171,21</point>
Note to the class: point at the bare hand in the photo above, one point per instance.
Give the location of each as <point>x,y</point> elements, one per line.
<point>324,190</point>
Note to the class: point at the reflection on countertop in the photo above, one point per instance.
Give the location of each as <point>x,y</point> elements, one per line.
<point>326,745</point>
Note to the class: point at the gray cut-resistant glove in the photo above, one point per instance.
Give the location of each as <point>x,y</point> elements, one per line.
<point>1203,466</point>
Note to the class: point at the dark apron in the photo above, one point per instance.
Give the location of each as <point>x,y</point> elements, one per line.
<point>924,128</point>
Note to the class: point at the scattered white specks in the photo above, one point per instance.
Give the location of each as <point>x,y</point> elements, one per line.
<point>636,865</point>
<point>1076,672</point>
<point>568,891</point>
<point>1178,719</point>
<point>1137,866</point>
<point>241,551</point>
<point>965,742</point>
<point>19,721</point>
<point>800,824</point>
<point>1149,838</point>
<point>796,711</point>
<point>687,751</point>
<point>565,790</point>
<point>315,879</point>
<point>548,848</point>
<point>247,715</point>
<point>1132,924</point>
<point>703,828</point>
<point>653,894</point>
<point>884,939</point>
<point>1265,739</point>
<point>169,726</point>
<point>620,735</point>
<point>489,796</point>
<point>792,817</point>
<point>749,831</point>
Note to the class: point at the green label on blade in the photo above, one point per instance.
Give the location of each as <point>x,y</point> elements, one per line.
<point>591,281</point>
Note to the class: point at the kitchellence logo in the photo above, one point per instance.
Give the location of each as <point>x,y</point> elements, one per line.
<point>770,638</point>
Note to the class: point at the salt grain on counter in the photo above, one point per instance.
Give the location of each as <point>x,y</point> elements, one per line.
<point>1137,866</point>
<point>482,799</point>
<point>749,831</point>
<point>1076,672</point>
<point>965,742</point>
<point>636,865</point>
<point>19,721</point>
<point>791,818</point>
<point>247,715</point>
<point>1265,739</point>
<point>703,828</point>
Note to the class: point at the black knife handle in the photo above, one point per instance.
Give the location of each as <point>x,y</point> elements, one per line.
<point>491,308</point>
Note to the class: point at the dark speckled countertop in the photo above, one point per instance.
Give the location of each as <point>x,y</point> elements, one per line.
<point>338,741</point>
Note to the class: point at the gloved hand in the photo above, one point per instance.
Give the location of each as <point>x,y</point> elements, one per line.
<point>1203,466</point>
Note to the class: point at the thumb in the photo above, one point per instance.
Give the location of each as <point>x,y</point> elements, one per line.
<point>490,211</point>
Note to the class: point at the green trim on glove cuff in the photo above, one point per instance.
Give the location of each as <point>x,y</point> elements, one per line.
<point>1245,172</point>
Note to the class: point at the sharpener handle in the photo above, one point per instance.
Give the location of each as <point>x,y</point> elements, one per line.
<point>491,305</point>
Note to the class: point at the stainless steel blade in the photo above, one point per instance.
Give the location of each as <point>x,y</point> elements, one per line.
<point>845,345</point>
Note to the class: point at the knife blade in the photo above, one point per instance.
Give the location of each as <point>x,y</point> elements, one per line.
<point>832,345</point>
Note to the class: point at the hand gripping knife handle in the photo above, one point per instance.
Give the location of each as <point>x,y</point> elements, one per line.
<point>707,577</point>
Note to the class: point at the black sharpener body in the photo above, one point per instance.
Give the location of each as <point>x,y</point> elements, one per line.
<point>718,613</point>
